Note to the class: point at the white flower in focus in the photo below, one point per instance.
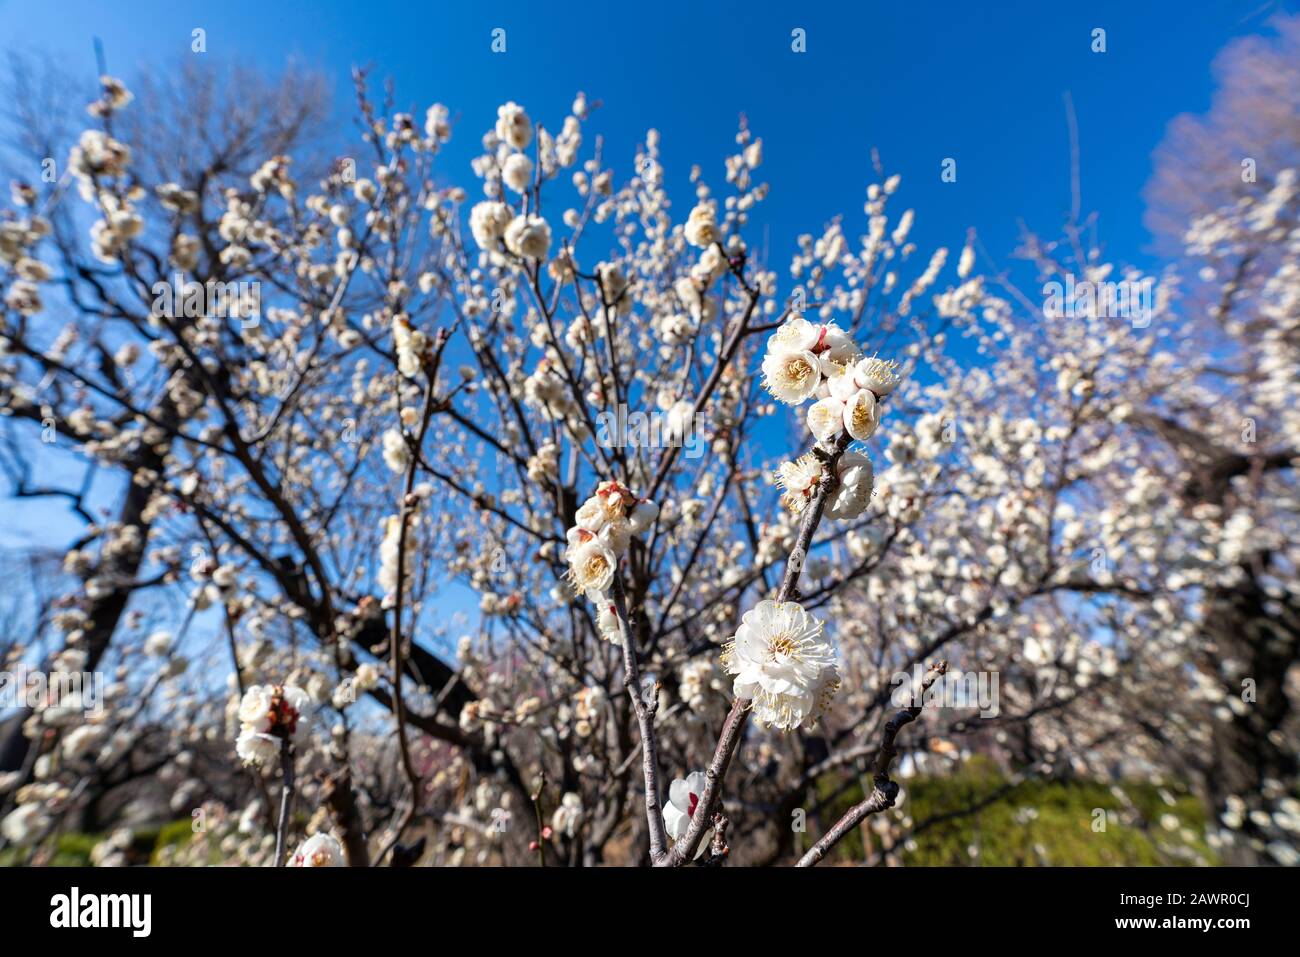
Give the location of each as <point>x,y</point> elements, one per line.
<point>617,534</point>
<point>853,494</point>
<point>294,704</point>
<point>528,237</point>
<point>256,748</point>
<point>879,376</point>
<point>683,798</point>
<point>592,514</point>
<point>799,480</point>
<point>826,418</point>
<point>255,708</point>
<point>834,345</point>
<point>607,622</point>
<point>782,664</point>
<point>319,850</point>
<point>837,380</point>
<point>513,125</point>
<point>794,335</point>
<point>791,376</point>
<point>488,221</point>
<point>592,564</point>
<point>861,415</point>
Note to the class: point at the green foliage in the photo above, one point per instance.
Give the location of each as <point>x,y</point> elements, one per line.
<point>1052,823</point>
<point>175,834</point>
<point>73,849</point>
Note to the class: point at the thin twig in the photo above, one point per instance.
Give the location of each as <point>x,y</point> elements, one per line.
<point>884,792</point>
<point>286,799</point>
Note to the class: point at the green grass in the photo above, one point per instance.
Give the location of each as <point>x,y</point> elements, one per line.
<point>176,834</point>
<point>1061,833</point>
<point>73,849</point>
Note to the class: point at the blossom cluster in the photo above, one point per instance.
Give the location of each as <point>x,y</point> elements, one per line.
<point>526,235</point>
<point>808,360</point>
<point>268,715</point>
<point>605,525</point>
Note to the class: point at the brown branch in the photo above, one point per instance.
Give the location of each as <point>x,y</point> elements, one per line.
<point>884,792</point>
<point>286,799</point>
<point>645,717</point>
<point>337,793</point>
<point>734,726</point>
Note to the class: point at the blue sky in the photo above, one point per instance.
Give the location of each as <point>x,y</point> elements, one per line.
<point>981,83</point>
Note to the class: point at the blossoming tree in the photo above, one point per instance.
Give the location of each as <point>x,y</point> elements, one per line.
<point>701,553</point>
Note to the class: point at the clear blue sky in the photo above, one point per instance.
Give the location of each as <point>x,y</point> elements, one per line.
<point>979,82</point>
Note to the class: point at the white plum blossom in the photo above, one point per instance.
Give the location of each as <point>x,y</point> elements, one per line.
<point>157,644</point>
<point>568,815</point>
<point>513,125</point>
<point>861,415</point>
<point>528,237</point>
<point>799,479</point>
<point>319,850</point>
<point>826,418</point>
<point>25,825</point>
<point>782,665</point>
<point>806,359</point>
<point>397,455</point>
<point>683,797</point>
<point>517,172</point>
<point>1074,502</point>
<point>792,377</point>
<point>796,334</point>
<point>410,344</point>
<point>592,562</point>
<point>702,225</point>
<point>605,525</point>
<point>269,715</point>
<point>852,494</point>
<point>643,516</point>
<point>878,375</point>
<point>488,221</point>
<point>256,748</point>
